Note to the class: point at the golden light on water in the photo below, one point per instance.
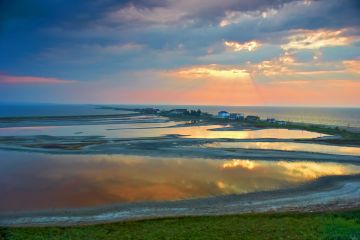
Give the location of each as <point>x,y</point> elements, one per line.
<point>239,163</point>
<point>296,171</point>
<point>312,170</point>
<point>64,181</point>
<point>207,132</point>
<point>288,146</point>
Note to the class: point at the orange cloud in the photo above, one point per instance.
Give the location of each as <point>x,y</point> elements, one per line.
<point>7,79</point>
<point>309,39</point>
<point>234,85</point>
<point>210,71</point>
<point>277,66</point>
<point>353,66</point>
<point>237,85</point>
<point>237,47</point>
<point>213,84</point>
<point>200,84</point>
<point>287,68</point>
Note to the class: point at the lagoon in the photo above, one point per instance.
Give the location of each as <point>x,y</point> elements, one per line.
<point>34,181</point>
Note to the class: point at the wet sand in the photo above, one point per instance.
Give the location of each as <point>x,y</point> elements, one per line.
<point>327,193</point>
<point>167,146</point>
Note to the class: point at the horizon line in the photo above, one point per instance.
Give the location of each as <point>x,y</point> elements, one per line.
<point>189,105</point>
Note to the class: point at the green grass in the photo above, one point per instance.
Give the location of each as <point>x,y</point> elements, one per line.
<point>330,226</point>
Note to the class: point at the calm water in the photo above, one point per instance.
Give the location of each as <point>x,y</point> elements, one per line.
<point>156,130</point>
<point>288,146</point>
<point>140,126</point>
<point>29,110</point>
<point>30,181</point>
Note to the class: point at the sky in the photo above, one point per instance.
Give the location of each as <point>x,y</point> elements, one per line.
<point>194,52</point>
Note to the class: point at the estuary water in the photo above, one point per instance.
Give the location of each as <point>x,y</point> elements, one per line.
<point>31,180</point>
<point>140,130</point>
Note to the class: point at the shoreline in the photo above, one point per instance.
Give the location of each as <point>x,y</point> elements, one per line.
<point>166,146</point>
<point>324,194</point>
<point>339,135</point>
<point>207,153</point>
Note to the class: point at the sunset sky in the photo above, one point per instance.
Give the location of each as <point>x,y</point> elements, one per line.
<point>201,52</point>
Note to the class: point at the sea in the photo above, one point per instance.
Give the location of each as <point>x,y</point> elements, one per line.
<point>348,117</point>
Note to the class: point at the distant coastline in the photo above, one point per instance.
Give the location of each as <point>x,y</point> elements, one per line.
<point>342,135</point>
<point>345,117</point>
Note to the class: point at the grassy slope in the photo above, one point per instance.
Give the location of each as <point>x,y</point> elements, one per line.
<point>251,226</point>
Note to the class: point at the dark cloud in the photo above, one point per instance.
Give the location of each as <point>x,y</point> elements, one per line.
<point>73,31</point>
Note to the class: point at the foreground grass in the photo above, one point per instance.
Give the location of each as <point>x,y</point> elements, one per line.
<point>331,226</point>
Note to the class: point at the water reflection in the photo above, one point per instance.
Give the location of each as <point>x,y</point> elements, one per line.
<point>123,130</point>
<point>138,130</point>
<point>40,181</point>
<point>288,146</point>
<point>206,132</point>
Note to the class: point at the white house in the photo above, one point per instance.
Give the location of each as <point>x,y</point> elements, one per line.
<point>223,114</point>
<point>236,116</point>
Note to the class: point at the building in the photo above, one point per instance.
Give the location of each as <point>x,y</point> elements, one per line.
<point>223,114</point>
<point>236,116</point>
<point>271,120</point>
<point>251,118</point>
<point>195,113</point>
<point>180,111</point>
